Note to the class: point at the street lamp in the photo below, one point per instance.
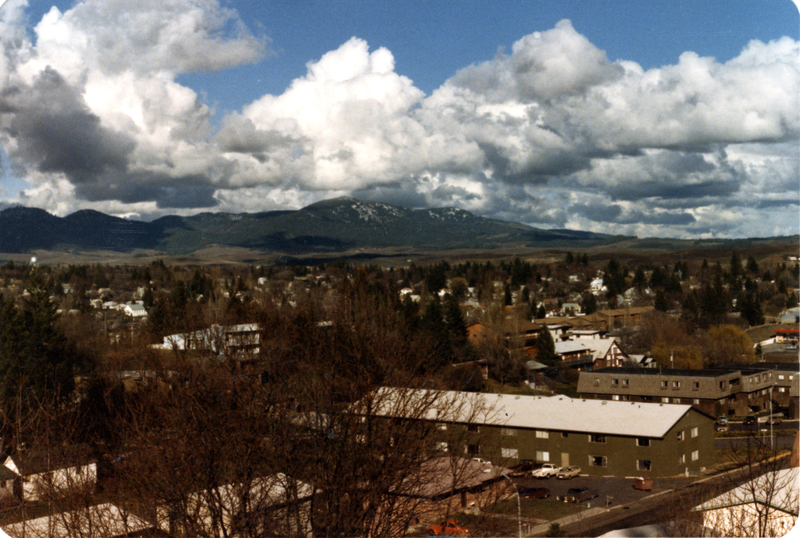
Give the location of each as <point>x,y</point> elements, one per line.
<point>519,507</point>
<point>771,438</point>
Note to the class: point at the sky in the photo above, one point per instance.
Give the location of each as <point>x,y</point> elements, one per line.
<point>656,119</point>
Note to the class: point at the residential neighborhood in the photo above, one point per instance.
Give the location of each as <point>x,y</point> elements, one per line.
<point>314,400</point>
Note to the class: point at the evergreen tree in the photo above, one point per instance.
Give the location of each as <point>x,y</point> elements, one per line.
<point>660,302</point>
<point>507,296</point>
<point>639,279</point>
<point>589,304</point>
<point>736,265</point>
<point>38,366</point>
<point>454,321</point>
<point>751,309</point>
<point>546,348</point>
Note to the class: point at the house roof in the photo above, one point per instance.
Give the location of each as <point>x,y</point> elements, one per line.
<point>446,476</point>
<point>571,346</point>
<point>777,489</point>
<point>35,462</point>
<point>559,413</point>
<point>600,346</point>
<point>100,520</point>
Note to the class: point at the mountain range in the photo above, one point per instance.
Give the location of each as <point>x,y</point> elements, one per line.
<point>330,226</point>
<point>327,227</point>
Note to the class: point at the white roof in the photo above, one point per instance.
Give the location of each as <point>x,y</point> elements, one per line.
<point>559,413</point>
<point>101,520</point>
<point>571,346</point>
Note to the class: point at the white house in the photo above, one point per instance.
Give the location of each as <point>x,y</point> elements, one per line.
<point>39,473</point>
<point>278,503</point>
<point>105,520</point>
<point>765,506</point>
<point>134,310</point>
<point>596,286</point>
<point>217,339</point>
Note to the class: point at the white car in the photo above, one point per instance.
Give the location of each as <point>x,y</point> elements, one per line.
<point>545,471</point>
<point>568,472</point>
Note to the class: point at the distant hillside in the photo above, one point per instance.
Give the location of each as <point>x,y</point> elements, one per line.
<point>325,228</point>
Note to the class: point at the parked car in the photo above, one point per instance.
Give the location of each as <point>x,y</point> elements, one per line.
<point>578,495</point>
<point>568,472</point>
<point>448,527</point>
<point>775,419</point>
<point>722,419</point>
<point>534,493</point>
<point>721,426</point>
<point>749,420</point>
<point>546,471</point>
<point>523,467</point>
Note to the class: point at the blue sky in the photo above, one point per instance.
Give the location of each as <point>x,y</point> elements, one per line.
<point>431,40</point>
<point>674,118</point>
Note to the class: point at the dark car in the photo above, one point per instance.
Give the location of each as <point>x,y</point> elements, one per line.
<point>524,467</point>
<point>578,495</point>
<point>534,493</point>
<point>749,420</point>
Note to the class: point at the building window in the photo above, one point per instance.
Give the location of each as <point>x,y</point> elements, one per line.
<point>682,459</point>
<point>540,434</point>
<point>696,401</point>
<point>442,446</point>
<point>615,397</point>
<point>781,389</point>
<point>542,456</point>
<point>721,385</point>
<point>642,441</point>
<point>615,381</point>
<point>664,384</point>
<point>596,382</point>
<point>598,461</point>
<point>626,397</point>
<point>780,376</point>
<point>508,432</point>
<point>473,450</point>
<point>643,465</point>
<point>680,435</point>
<point>665,400</point>
<point>695,455</point>
<point>695,432</point>
<point>442,426</point>
<point>676,384</point>
<point>564,434</point>
<point>472,428</point>
<point>597,438</point>
<point>695,385</point>
<point>509,453</point>
<point>625,382</point>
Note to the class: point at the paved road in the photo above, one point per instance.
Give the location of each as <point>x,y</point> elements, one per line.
<point>616,490</point>
<point>785,425</point>
<point>740,442</point>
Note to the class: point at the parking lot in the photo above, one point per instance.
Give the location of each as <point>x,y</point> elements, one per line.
<point>616,490</point>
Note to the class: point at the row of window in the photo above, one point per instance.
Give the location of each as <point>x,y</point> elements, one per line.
<point>599,461</point>
<point>593,437</point>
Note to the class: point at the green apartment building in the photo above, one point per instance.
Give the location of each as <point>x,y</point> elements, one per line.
<point>602,437</point>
